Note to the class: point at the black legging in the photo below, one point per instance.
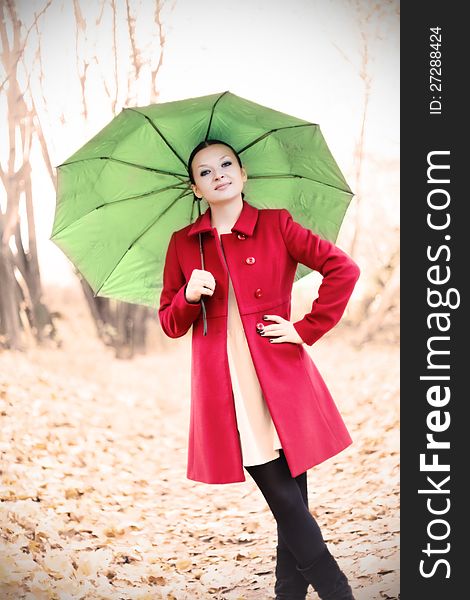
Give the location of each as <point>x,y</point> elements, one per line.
<point>288,500</point>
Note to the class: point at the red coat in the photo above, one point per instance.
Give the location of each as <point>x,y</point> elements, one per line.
<point>262,253</point>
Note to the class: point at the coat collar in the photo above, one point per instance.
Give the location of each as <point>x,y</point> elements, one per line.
<point>245,223</point>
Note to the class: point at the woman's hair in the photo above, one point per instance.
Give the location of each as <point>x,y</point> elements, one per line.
<point>205,144</point>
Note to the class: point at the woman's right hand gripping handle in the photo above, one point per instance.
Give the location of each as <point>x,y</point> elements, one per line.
<point>179,298</point>
<point>201,282</point>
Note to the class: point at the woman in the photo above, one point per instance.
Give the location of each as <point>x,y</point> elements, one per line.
<point>257,399</point>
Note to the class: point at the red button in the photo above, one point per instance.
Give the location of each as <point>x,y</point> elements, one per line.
<point>258,293</point>
<point>250,260</point>
<point>241,236</point>
<point>259,326</point>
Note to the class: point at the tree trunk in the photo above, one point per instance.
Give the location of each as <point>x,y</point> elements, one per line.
<point>118,324</point>
<point>10,328</point>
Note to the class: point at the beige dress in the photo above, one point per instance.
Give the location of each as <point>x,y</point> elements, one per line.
<point>258,436</point>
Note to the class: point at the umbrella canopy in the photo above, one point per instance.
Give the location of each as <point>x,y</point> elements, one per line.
<point>121,196</point>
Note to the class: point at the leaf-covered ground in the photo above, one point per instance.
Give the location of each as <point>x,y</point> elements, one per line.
<point>96,504</point>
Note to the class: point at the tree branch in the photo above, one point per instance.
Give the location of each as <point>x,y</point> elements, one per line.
<point>4,37</point>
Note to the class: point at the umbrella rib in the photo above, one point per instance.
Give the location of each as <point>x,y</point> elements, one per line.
<point>160,134</point>
<point>212,114</point>
<point>187,193</point>
<point>267,133</point>
<point>169,187</point>
<point>295,176</point>
<point>130,164</point>
<point>137,238</point>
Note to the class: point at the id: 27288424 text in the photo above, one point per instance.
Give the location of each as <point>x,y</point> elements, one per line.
<point>435,70</point>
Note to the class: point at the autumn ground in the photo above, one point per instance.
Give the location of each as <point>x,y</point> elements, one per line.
<point>95,500</point>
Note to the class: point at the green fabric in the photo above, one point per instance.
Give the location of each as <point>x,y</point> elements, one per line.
<point>121,195</point>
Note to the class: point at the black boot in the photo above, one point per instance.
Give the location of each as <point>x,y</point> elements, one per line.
<point>290,584</point>
<point>327,579</point>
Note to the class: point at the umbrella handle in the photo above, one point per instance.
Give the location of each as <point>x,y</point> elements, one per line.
<point>204,317</point>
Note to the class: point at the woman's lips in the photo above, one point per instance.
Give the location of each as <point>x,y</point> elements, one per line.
<point>223,186</point>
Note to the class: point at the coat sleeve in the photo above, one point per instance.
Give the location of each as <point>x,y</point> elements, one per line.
<point>176,314</point>
<point>339,271</point>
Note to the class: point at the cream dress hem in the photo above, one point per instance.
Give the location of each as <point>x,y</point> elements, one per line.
<point>259,440</point>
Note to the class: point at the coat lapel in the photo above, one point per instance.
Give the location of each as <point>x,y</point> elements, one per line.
<point>245,224</point>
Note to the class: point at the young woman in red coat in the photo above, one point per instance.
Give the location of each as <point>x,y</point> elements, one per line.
<point>267,408</point>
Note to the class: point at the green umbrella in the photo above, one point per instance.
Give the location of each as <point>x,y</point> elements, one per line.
<point>121,196</point>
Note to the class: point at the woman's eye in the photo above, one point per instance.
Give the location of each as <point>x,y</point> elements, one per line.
<point>227,162</point>
<point>202,173</point>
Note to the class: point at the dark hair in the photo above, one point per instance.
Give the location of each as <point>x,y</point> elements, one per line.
<point>205,144</point>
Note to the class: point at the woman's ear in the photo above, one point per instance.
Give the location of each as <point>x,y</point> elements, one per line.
<point>244,175</point>
<point>196,191</point>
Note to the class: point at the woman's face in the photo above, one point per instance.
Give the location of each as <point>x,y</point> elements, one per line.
<point>218,176</point>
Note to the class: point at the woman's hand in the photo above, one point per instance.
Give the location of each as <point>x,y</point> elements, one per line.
<point>284,330</point>
<point>200,282</point>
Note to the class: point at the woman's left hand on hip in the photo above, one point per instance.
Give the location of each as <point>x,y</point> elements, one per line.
<point>282,331</point>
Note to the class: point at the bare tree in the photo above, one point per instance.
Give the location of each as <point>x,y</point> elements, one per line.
<point>22,311</point>
<point>371,15</point>
<point>155,69</point>
<point>118,324</point>
<point>383,292</point>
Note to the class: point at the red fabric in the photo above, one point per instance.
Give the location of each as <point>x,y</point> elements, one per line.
<point>307,420</point>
